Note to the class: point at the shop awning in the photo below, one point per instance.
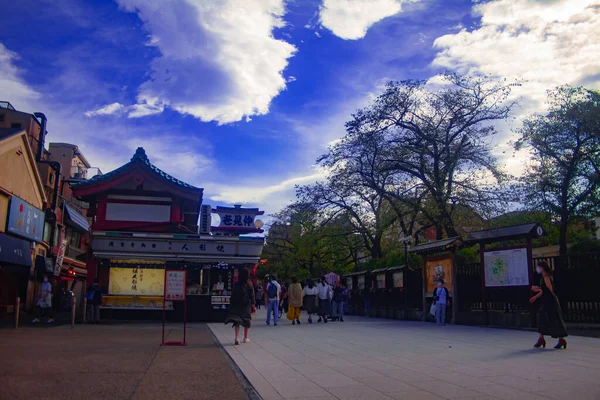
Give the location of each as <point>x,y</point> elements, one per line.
<point>14,251</point>
<point>78,220</point>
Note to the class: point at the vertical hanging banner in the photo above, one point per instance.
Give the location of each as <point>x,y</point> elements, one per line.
<point>60,257</point>
<point>175,290</point>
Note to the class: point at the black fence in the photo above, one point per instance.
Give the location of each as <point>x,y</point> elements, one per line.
<point>575,281</point>
<point>390,302</point>
<point>576,285</point>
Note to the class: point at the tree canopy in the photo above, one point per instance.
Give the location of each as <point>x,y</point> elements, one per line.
<point>564,144</point>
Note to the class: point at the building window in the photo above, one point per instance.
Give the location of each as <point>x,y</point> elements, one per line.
<point>16,125</point>
<point>74,239</point>
<point>47,230</point>
<point>1,117</point>
<point>51,178</point>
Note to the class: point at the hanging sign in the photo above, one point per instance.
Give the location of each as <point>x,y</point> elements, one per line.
<point>175,286</point>
<point>60,257</point>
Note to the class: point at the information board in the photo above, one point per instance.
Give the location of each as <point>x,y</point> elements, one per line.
<point>506,268</point>
<point>175,286</point>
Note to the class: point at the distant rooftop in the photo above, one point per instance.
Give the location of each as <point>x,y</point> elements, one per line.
<point>7,105</point>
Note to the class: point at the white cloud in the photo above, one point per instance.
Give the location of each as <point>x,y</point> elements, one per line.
<point>133,111</point>
<point>109,109</point>
<point>101,141</point>
<point>271,198</point>
<point>219,60</point>
<point>12,87</point>
<point>543,43</point>
<point>351,19</point>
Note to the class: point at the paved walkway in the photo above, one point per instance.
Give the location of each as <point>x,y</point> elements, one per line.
<point>114,362</point>
<point>382,359</point>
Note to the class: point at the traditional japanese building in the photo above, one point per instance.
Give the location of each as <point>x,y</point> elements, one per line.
<point>144,222</point>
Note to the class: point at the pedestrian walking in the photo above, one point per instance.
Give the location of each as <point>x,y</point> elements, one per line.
<point>241,306</point>
<point>273,294</point>
<point>94,301</point>
<point>440,299</point>
<point>45,301</point>
<point>325,294</point>
<point>283,301</point>
<point>337,312</point>
<point>309,294</point>
<point>550,320</point>
<point>259,296</point>
<point>294,301</point>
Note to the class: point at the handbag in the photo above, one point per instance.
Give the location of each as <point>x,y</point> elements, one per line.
<point>432,309</point>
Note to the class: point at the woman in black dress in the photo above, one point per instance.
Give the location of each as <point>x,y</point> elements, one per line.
<point>550,321</point>
<point>241,306</point>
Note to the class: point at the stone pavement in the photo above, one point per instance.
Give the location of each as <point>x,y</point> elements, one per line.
<point>387,359</point>
<point>122,361</point>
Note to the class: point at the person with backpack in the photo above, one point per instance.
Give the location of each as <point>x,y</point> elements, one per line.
<point>440,299</point>
<point>94,301</point>
<point>273,295</point>
<point>241,306</point>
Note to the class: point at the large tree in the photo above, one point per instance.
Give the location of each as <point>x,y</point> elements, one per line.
<point>431,142</point>
<point>347,201</point>
<point>564,144</point>
<point>301,242</point>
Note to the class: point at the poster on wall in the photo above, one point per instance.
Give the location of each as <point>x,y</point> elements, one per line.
<point>398,279</point>
<point>136,281</point>
<point>175,289</point>
<point>436,270</point>
<point>506,268</point>
<point>380,281</point>
<point>361,282</point>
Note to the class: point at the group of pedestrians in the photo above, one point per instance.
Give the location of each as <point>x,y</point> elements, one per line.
<point>320,299</point>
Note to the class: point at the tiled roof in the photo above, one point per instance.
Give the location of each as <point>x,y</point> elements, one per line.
<point>506,233</point>
<point>139,157</point>
<point>438,245</point>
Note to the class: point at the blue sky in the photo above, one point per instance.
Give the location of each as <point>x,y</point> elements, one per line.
<point>241,96</point>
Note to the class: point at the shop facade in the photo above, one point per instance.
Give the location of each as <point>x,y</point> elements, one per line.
<point>21,220</point>
<point>146,222</point>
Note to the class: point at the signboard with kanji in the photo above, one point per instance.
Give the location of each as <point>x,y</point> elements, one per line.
<point>175,286</point>
<point>60,257</point>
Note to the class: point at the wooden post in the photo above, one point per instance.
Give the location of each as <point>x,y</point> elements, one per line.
<point>424,280</point>
<point>73,312</point>
<point>84,309</point>
<point>454,291</point>
<point>531,277</point>
<point>484,305</point>
<point>17,311</point>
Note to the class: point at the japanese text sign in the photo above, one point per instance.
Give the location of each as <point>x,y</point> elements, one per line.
<point>175,287</point>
